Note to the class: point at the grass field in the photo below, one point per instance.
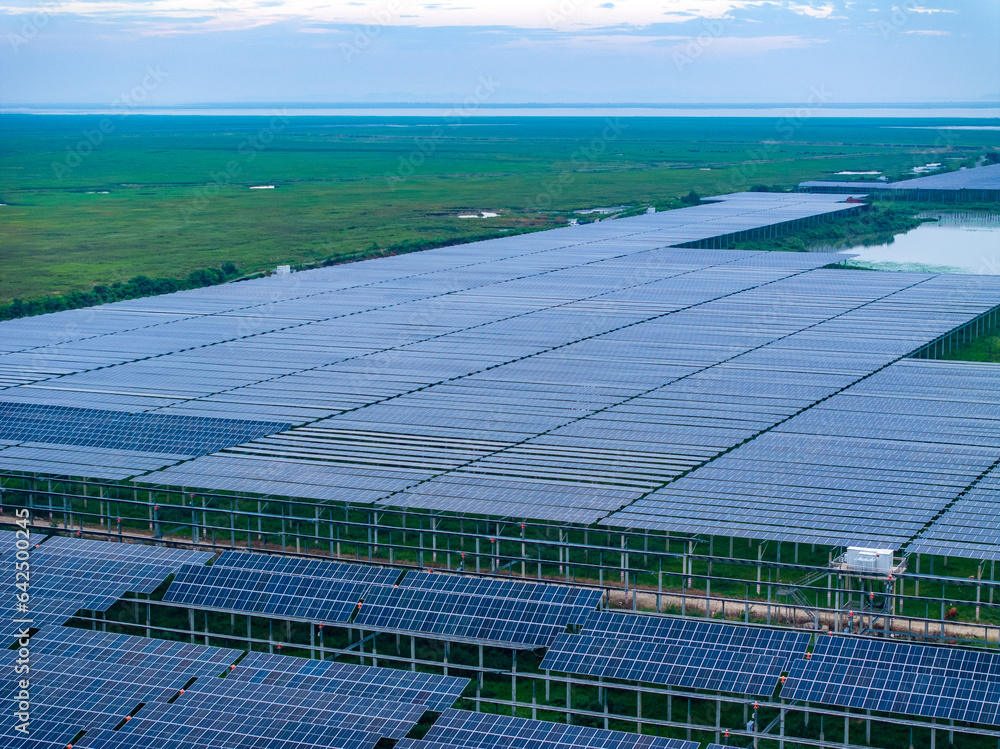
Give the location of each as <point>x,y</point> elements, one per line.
<point>92,200</point>
<point>985,347</point>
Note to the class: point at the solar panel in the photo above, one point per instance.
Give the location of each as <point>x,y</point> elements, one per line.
<point>677,652</point>
<point>460,728</point>
<point>968,528</point>
<point>310,590</point>
<point>361,573</point>
<point>82,679</point>
<point>90,549</point>
<point>922,680</point>
<point>980,178</point>
<point>580,602</point>
<point>520,615</point>
<point>54,726</point>
<point>157,433</point>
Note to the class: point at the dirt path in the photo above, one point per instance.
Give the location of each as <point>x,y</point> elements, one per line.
<point>796,616</point>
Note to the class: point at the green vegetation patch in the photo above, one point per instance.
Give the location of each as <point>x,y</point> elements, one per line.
<point>162,196</point>
<point>984,347</point>
<point>878,224</point>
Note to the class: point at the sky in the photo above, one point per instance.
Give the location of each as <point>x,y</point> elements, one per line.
<point>175,52</point>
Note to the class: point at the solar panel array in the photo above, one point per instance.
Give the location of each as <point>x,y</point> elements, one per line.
<point>499,612</point>
<point>980,178</point>
<point>970,526</point>
<point>498,387</point>
<point>297,348</point>
<point>460,729</point>
<point>509,613</point>
<point>871,466</point>
<point>923,680</point>
<point>242,560</point>
<point>311,590</point>
<point>88,680</point>
<point>70,574</point>
<point>678,652</point>
<point>562,375</point>
<point>631,408</point>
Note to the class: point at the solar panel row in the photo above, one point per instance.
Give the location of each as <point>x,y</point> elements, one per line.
<point>441,606</point>
<point>678,652</point>
<point>981,178</point>
<point>268,593</point>
<point>178,436</point>
<point>468,730</point>
<point>497,612</point>
<point>925,680</point>
<point>83,679</point>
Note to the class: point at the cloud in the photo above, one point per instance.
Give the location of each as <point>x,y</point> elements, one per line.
<point>919,9</point>
<point>662,45</point>
<point>822,11</point>
<point>927,32</point>
<point>565,15</point>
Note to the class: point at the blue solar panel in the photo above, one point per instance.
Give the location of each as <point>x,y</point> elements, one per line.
<point>89,680</point>
<point>95,648</point>
<point>82,679</point>
<point>221,727</point>
<point>160,433</point>
<point>578,602</point>
<point>523,615</point>
<point>924,680</point>
<point>459,728</point>
<point>269,593</point>
<point>678,652</point>
<point>307,567</point>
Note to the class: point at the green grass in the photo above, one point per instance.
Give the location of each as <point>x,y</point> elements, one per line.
<point>178,199</point>
<point>876,225</point>
<point>984,348</point>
